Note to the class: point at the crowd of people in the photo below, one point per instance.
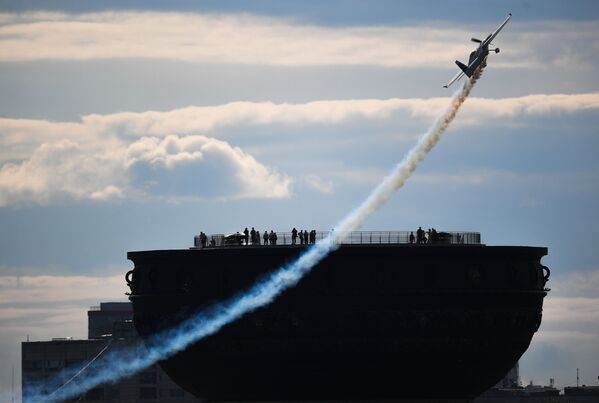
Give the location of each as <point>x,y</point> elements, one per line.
<point>430,236</point>
<point>305,237</point>
<point>423,237</point>
<point>270,238</point>
<point>254,237</point>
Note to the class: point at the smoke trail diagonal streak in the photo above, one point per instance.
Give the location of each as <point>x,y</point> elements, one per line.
<point>164,344</point>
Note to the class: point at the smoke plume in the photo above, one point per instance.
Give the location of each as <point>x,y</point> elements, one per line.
<point>117,364</point>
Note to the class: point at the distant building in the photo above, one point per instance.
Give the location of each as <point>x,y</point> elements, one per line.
<point>511,379</point>
<point>586,391</point>
<point>42,360</point>
<point>101,319</point>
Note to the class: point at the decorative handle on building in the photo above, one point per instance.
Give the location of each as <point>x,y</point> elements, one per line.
<point>129,279</point>
<point>546,274</point>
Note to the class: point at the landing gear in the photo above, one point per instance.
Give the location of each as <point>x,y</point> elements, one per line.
<point>496,50</point>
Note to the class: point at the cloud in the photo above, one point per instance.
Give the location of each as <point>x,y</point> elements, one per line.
<point>41,307</point>
<point>577,284</point>
<point>38,291</point>
<point>319,184</point>
<point>200,166</point>
<point>573,309</point>
<point>171,167</point>
<point>206,118</point>
<point>569,331</point>
<point>19,134</point>
<point>151,154</point>
<point>250,39</point>
<point>58,169</point>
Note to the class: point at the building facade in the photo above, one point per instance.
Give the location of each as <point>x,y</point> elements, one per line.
<point>57,361</point>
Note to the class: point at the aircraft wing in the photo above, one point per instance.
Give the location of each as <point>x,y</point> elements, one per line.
<point>454,79</point>
<point>494,34</point>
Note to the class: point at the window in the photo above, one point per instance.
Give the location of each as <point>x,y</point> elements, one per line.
<point>33,364</point>
<point>176,393</point>
<point>53,364</point>
<point>113,394</point>
<point>147,393</point>
<point>148,377</point>
<point>95,394</point>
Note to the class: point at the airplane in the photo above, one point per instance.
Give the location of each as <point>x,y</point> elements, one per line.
<point>478,57</point>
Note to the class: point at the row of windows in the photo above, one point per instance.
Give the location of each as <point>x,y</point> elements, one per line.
<point>53,363</point>
<point>113,394</point>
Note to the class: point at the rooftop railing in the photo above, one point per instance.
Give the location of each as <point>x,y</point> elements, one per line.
<point>351,238</point>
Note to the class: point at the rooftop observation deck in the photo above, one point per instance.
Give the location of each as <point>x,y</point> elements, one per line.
<point>352,238</point>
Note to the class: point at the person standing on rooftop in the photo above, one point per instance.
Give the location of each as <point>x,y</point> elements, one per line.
<point>246,235</point>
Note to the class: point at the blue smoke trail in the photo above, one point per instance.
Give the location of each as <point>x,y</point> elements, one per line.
<point>118,364</point>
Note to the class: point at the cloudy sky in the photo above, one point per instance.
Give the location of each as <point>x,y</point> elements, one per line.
<point>132,126</point>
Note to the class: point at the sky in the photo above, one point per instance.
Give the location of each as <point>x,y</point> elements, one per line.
<point>136,125</point>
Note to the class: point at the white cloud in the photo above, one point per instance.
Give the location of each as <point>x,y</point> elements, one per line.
<point>36,292</point>
<point>319,184</point>
<point>17,134</point>
<point>58,169</point>
<point>243,38</point>
<point>151,153</point>
<point>569,331</point>
<point>172,167</point>
<point>41,307</point>
<point>205,118</point>
<point>572,309</point>
<point>576,284</point>
<point>199,165</point>
<point>53,306</point>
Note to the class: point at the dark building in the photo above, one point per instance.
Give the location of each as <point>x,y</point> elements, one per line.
<point>583,391</point>
<point>43,360</point>
<point>378,318</point>
<point>101,319</point>
<point>511,379</point>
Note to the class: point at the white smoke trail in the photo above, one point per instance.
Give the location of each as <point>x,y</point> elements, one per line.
<point>121,363</point>
<point>403,170</point>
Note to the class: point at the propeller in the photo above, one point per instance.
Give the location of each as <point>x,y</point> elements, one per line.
<point>475,40</point>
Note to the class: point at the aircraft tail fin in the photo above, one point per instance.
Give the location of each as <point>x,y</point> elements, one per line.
<point>463,67</point>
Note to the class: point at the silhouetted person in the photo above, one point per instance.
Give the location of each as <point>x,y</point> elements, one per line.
<point>246,236</point>
<point>253,235</point>
<point>433,236</point>
<point>301,237</point>
<point>412,237</point>
<point>306,236</point>
<point>265,237</point>
<point>313,236</point>
<point>419,235</point>
<point>293,236</point>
